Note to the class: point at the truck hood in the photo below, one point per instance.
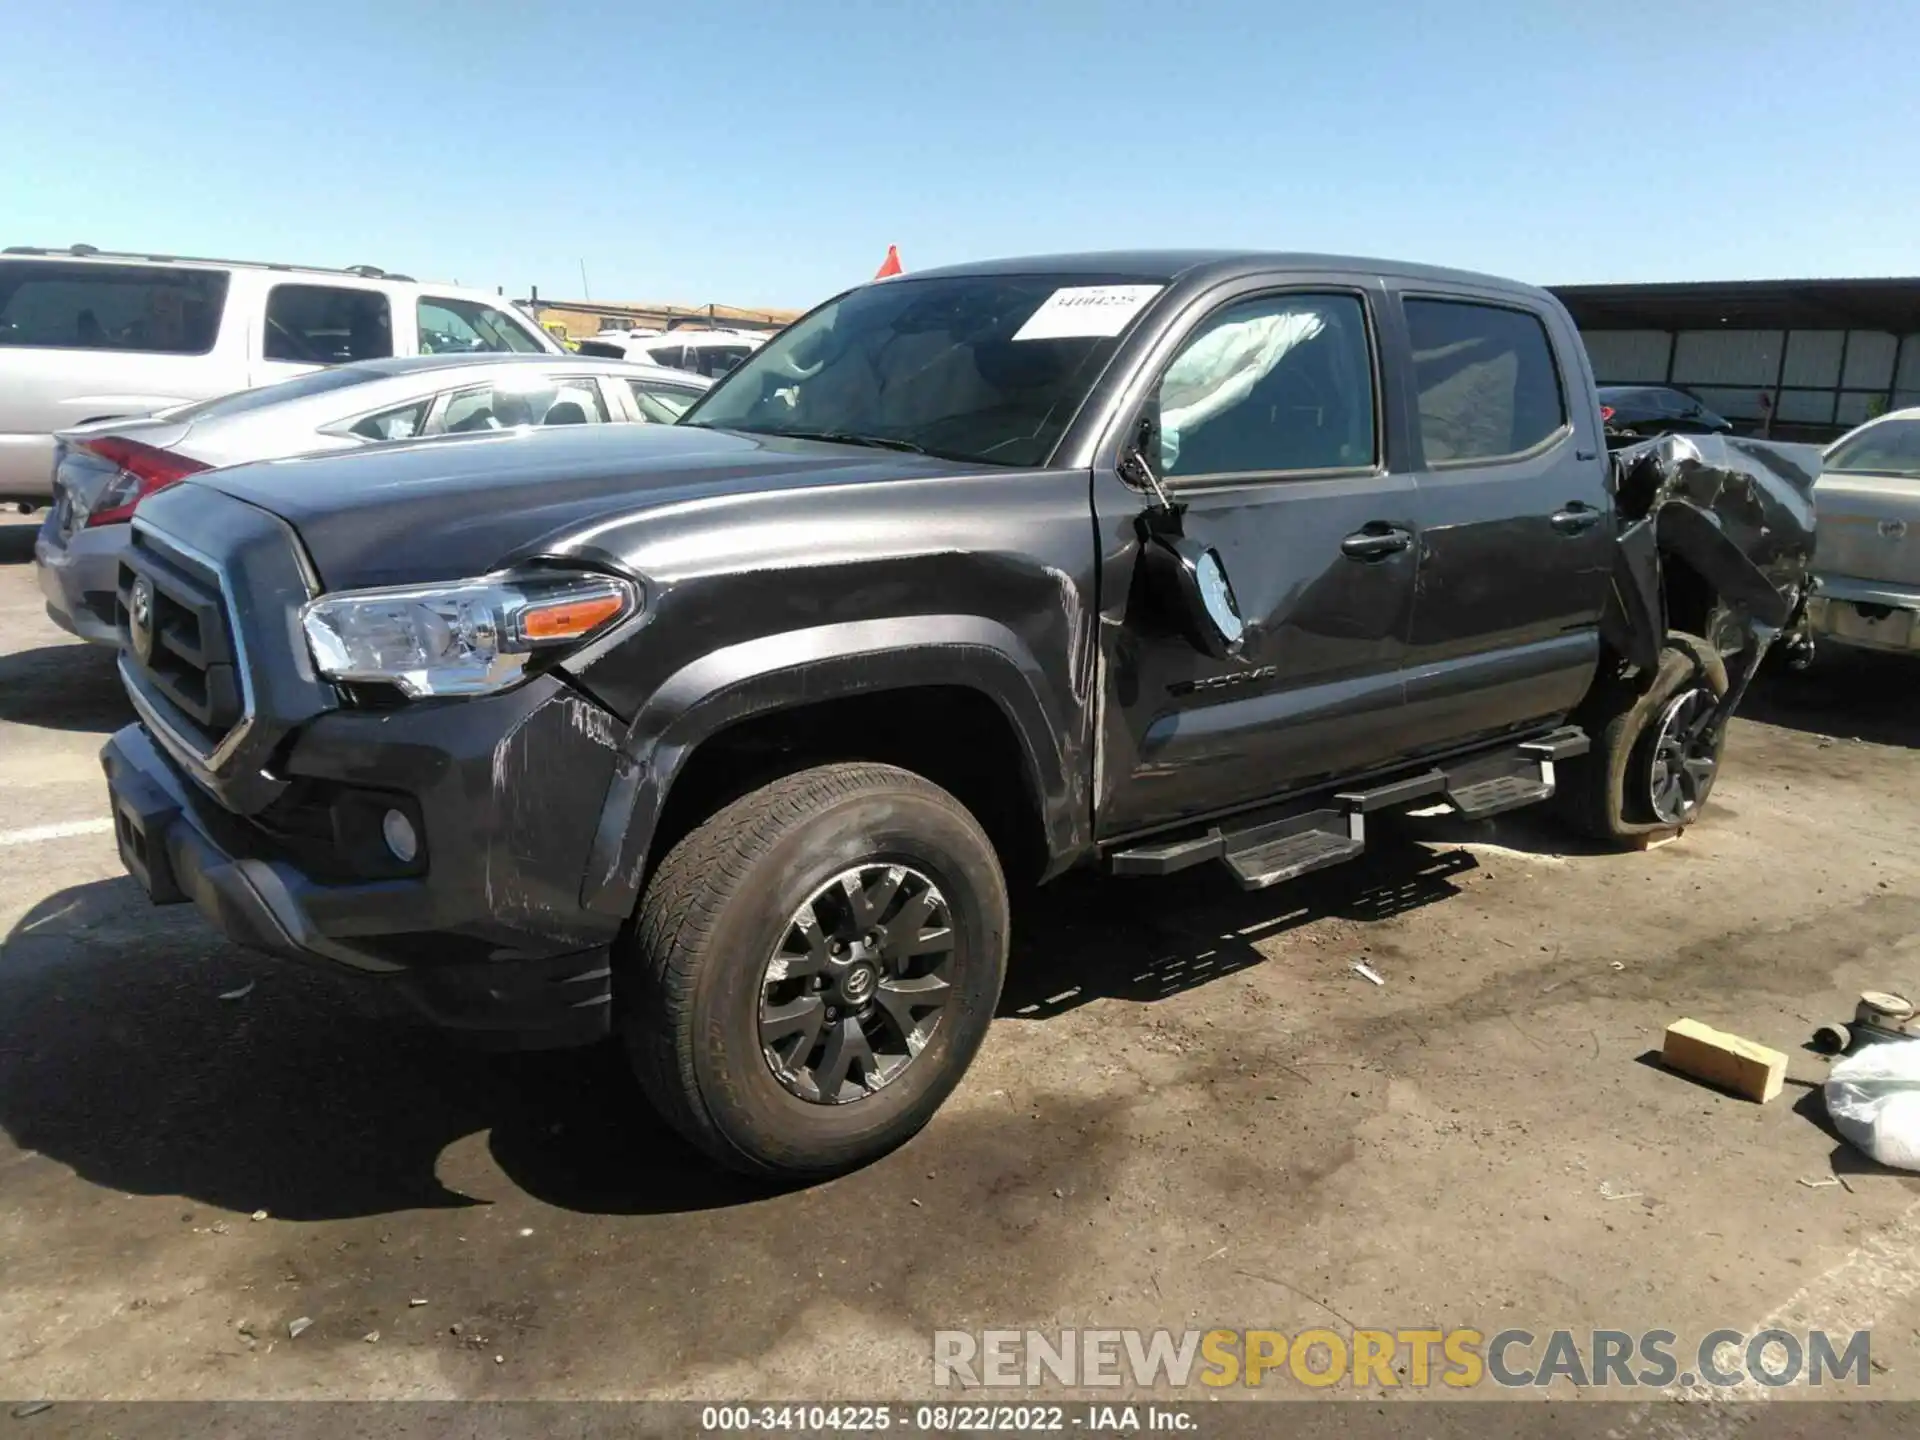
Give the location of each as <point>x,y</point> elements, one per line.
<point>455,506</point>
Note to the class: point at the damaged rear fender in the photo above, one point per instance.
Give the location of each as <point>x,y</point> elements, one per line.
<point>1739,512</point>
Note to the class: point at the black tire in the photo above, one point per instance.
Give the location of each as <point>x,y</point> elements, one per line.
<point>1605,794</point>
<point>694,979</point>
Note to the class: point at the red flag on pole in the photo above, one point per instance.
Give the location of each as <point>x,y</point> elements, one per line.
<point>889,266</point>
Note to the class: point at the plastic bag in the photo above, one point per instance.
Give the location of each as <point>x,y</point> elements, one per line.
<point>1873,1096</point>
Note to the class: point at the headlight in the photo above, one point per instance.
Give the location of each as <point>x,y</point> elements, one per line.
<point>470,637</point>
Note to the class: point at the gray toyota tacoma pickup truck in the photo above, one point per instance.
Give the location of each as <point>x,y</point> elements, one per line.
<point>727,738</point>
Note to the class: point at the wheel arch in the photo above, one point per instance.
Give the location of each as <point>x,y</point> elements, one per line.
<point>954,698</point>
<point>1671,571</point>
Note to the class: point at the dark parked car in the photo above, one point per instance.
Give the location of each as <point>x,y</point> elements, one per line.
<point>729,736</point>
<point>1638,412</point>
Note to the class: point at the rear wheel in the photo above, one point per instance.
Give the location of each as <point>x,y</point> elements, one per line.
<point>1654,760</point>
<point>813,969</point>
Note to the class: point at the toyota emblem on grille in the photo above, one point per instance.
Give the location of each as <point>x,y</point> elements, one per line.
<point>140,618</point>
<point>1893,529</point>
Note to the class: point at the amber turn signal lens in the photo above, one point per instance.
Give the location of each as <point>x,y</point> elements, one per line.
<point>568,619</point>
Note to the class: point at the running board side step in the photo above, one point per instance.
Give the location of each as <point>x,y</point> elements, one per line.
<point>1263,849</point>
<point>1268,854</point>
<point>1523,776</point>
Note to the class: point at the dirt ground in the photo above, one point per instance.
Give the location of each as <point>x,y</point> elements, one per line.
<point>1192,1112</point>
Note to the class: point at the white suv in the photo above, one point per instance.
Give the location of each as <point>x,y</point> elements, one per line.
<point>705,352</point>
<point>86,335</point>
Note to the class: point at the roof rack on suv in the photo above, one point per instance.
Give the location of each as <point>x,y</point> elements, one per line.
<point>91,252</point>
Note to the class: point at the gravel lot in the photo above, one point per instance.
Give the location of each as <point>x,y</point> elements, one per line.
<point>1192,1113</point>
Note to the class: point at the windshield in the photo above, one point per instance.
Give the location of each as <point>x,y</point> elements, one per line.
<point>989,368</point>
<point>1891,447</point>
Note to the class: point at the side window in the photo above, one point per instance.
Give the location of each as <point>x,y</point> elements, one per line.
<point>402,423</point>
<point>1278,383</point>
<point>466,327</point>
<point>662,404</point>
<point>671,356</point>
<point>110,307</point>
<point>322,325</point>
<point>717,360</point>
<point>525,400</point>
<point>1487,383</point>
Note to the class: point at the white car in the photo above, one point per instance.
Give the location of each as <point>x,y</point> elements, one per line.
<point>1867,545</point>
<point>102,472</point>
<point>86,335</point>
<point>705,352</point>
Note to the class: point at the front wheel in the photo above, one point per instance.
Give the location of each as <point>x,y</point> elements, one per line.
<point>1654,760</point>
<point>813,969</point>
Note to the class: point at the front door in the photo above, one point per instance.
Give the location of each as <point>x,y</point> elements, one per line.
<point>1273,439</point>
<point>1515,517</point>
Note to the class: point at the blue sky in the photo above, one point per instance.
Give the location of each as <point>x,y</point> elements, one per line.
<point>761,153</point>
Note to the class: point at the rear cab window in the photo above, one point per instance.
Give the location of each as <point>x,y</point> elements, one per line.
<point>1488,385</point>
<point>147,309</point>
<point>327,325</point>
<point>467,327</point>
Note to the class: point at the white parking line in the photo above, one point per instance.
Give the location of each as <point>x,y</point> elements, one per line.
<point>1859,1293</point>
<point>36,833</point>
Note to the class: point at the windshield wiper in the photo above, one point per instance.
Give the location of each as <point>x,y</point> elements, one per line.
<point>850,437</point>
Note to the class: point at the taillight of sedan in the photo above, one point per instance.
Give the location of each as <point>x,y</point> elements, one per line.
<point>143,470</point>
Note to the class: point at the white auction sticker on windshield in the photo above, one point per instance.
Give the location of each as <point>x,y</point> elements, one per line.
<point>1086,312</point>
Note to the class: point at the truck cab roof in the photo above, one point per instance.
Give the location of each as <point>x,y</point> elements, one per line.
<point>1167,266</point>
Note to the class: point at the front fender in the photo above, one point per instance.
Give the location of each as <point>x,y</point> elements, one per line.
<point>781,671</point>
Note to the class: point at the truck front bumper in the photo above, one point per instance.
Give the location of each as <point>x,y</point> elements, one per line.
<point>1865,614</point>
<point>482,932</point>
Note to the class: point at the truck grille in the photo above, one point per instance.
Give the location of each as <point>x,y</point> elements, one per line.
<point>175,628</point>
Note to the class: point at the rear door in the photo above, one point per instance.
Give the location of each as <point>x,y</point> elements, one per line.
<point>1275,442</point>
<point>1514,511</point>
<point>305,324</point>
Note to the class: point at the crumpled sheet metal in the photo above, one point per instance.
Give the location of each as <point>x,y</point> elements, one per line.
<point>1738,510</point>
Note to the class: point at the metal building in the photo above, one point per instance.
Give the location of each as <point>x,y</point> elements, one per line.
<point>1795,359</point>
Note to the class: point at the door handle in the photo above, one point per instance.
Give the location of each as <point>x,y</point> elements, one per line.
<point>1575,518</point>
<point>1376,542</point>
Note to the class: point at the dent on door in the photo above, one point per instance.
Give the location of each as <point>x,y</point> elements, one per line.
<point>1312,685</point>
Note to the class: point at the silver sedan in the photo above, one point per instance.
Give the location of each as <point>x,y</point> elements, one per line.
<point>102,471</point>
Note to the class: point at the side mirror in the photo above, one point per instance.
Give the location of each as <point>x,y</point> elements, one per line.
<point>1191,580</point>
<point>1186,577</point>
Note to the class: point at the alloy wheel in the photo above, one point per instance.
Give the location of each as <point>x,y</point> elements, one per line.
<point>855,989</point>
<point>1684,757</point>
